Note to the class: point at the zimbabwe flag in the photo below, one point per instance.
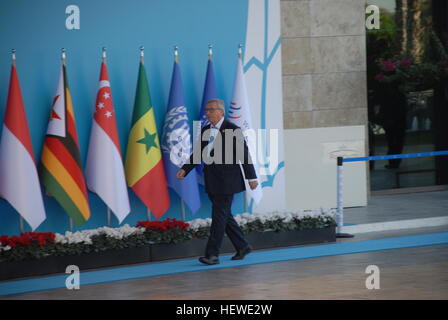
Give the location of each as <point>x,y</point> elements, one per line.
<point>144,166</point>
<point>61,171</point>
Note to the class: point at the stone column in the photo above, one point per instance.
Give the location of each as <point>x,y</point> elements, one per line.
<point>324,63</point>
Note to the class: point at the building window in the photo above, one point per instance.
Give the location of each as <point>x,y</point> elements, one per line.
<point>407,67</point>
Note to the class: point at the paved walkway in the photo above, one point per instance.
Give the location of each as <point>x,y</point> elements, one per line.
<point>405,273</point>
<point>409,206</point>
<point>410,273</point>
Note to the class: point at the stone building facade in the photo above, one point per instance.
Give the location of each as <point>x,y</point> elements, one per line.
<point>324,63</point>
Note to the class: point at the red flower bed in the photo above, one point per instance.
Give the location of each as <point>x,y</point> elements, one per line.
<point>28,238</point>
<point>168,224</point>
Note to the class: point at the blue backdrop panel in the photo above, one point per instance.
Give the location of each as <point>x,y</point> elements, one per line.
<point>37,30</point>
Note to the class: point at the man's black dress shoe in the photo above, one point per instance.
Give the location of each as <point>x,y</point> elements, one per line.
<point>209,260</point>
<point>242,253</point>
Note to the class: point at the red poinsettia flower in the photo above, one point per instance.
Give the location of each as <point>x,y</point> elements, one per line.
<point>387,66</point>
<point>28,238</point>
<point>168,224</point>
<point>406,63</point>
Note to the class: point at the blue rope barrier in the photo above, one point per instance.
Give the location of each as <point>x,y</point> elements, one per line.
<point>398,156</point>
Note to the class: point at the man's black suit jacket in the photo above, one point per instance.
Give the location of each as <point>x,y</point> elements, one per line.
<point>223,176</point>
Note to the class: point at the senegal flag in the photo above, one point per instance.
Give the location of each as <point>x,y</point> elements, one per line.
<point>61,171</point>
<point>144,166</point>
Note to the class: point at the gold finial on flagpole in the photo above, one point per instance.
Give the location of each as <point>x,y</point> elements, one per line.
<point>142,54</point>
<point>240,51</point>
<point>210,51</point>
<point>176,54</point>
<point>13,55</point>
<point>63,55</point>
<point>103,55</point>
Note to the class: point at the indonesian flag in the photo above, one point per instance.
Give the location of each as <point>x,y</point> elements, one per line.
<point>19,180</point>
<point>239,114</point>
<point>104,168</point>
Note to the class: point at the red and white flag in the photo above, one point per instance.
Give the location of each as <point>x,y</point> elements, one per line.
<point>104,168</point>
<point>19,180</point>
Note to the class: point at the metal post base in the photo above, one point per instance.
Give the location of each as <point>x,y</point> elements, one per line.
<point>344,235</point>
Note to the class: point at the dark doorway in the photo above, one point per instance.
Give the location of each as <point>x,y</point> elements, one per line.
<point>407,68</point>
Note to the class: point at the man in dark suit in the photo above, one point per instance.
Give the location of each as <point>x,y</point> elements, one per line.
<point>223,148</point>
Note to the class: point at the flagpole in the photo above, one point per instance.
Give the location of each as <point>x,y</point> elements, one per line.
<point>21,224</point>
<point>142,61</point>
<point>63,57</point>
<point>182,209</point>
<point>71,225</point>
<point>182,204</point>
<point>109,215</point>
<point>21,220</point>
<point>64,64</point>
<point>240,56</point>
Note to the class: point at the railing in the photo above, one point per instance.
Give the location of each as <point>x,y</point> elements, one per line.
<point>340,180</point>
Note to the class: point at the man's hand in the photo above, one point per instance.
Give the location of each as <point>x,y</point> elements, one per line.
<point>253,184</point>
<point>180,174</point>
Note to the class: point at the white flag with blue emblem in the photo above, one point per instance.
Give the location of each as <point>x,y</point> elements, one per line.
<point>239,114</point>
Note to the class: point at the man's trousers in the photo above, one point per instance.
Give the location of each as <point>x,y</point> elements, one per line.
<point>223,222</point>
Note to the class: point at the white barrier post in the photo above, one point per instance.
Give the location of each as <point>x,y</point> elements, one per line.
<point>340,200</point>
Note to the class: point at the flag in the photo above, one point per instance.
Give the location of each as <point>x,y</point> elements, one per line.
<point>176,144</point>
<point>144,166</point>
<point>19,180</point>
<point>209,93</point>
<point>239,114</point>
<point>61,169</point>
<point>104,167</point>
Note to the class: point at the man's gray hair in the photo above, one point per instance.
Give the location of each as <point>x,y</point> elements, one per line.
<point>219,103</point>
